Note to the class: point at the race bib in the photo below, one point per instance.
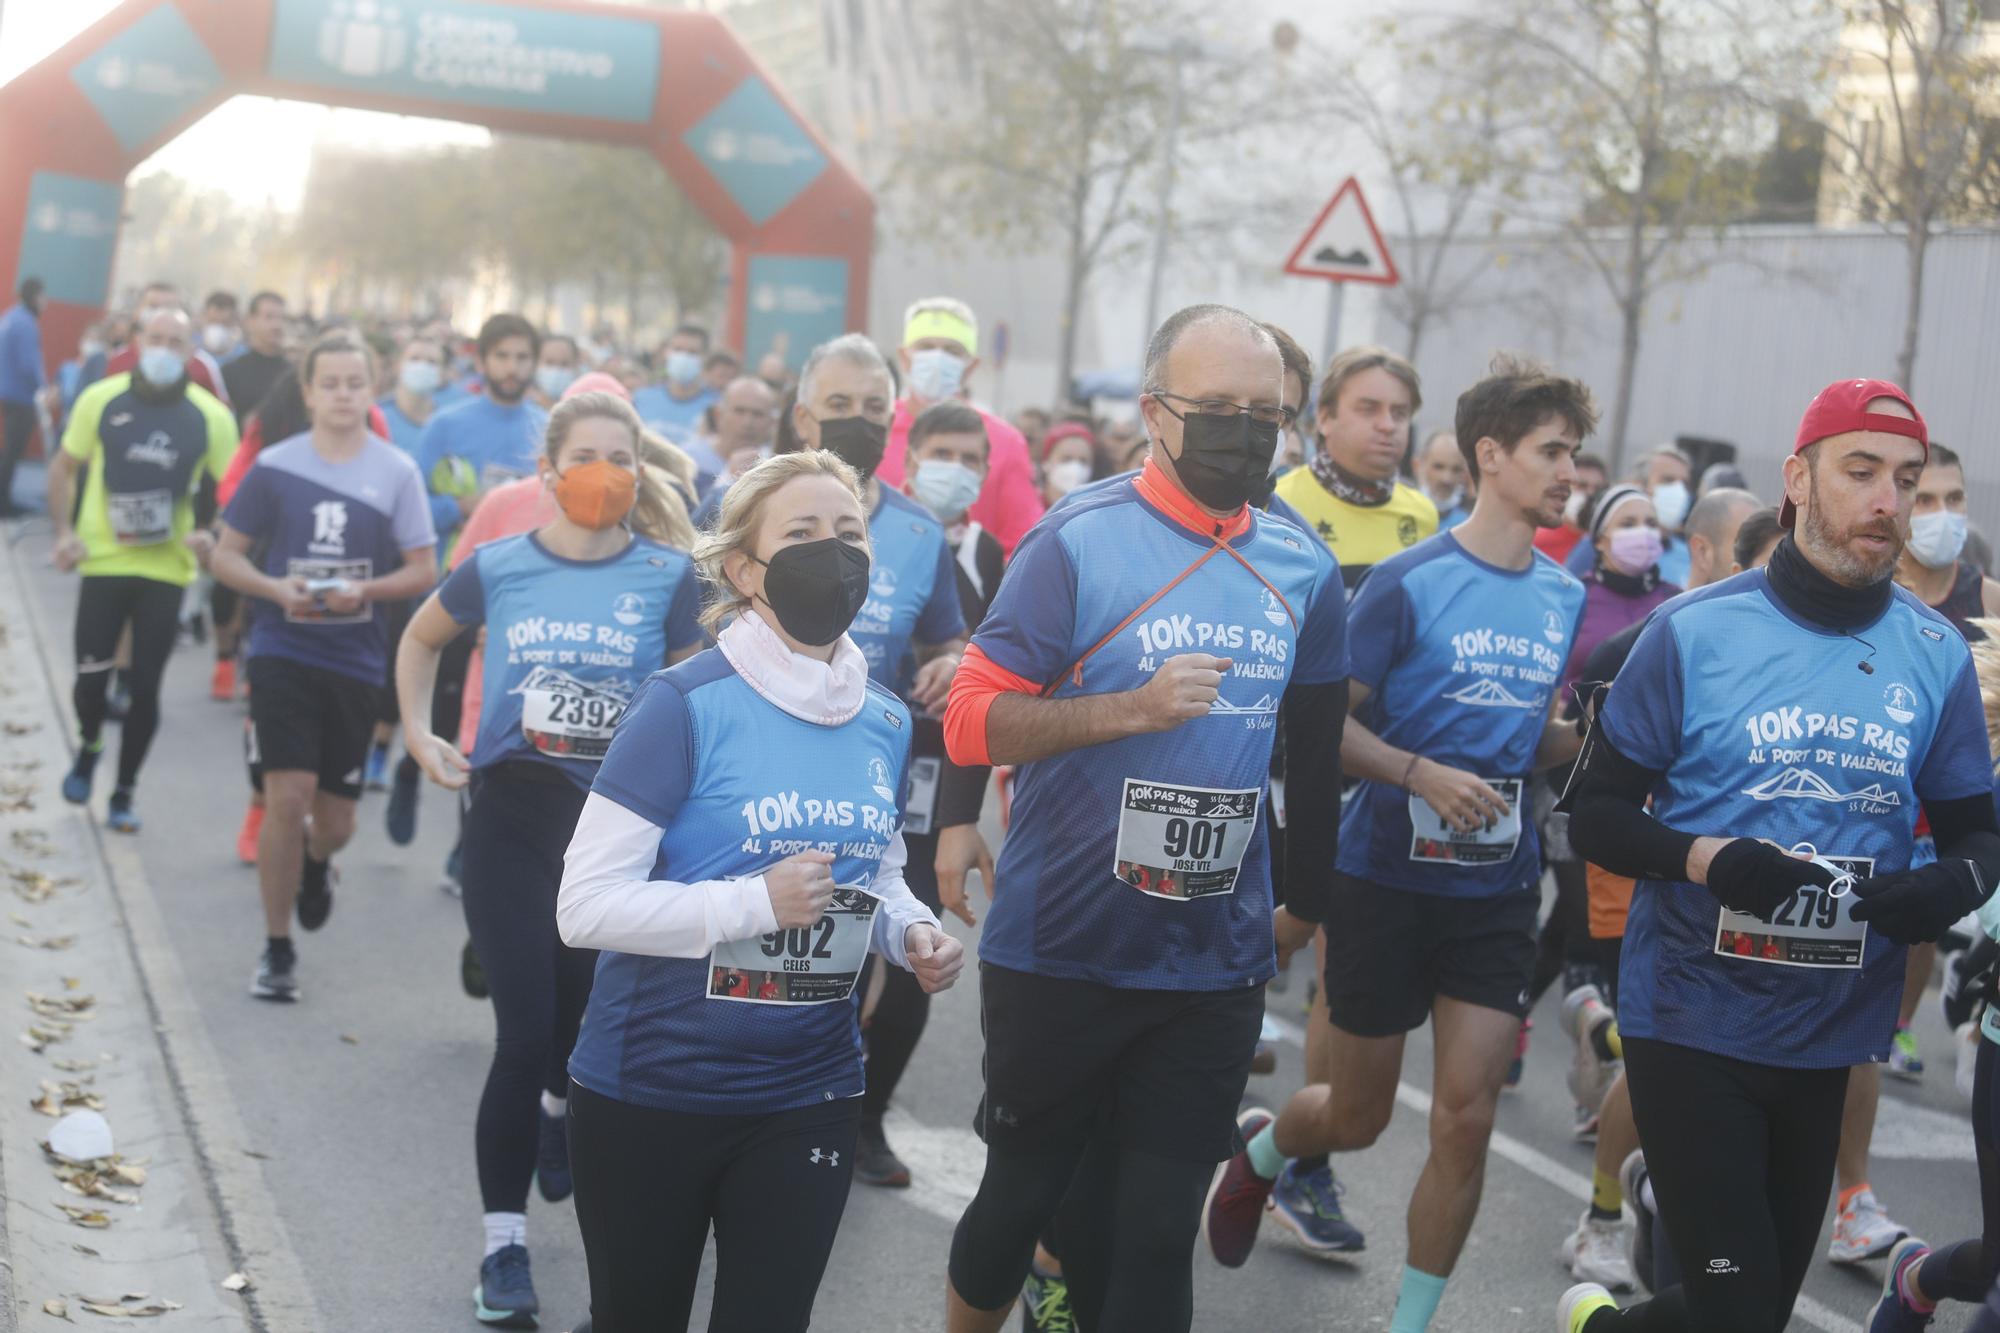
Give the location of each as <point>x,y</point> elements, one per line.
<point>1812,928</point>
<point>566,718</point>
<point>814,964</point>
<point>354,571</point>
<point>1183,842</point>
<point>144,518</point>
<point>922,808</point>
<point>1435,841</point>
<point>497,474</point>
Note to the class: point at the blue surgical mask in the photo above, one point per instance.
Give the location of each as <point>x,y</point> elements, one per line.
<point>162,367</point>
<point>552,380</point>
<point>946,488</point>
<point>683,367</point>
<point>1936,539</point>
<point>935,373</point>
<point>421,377</point>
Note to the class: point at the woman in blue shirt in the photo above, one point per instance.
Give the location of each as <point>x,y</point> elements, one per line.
<point>576,615</point>
<point>738,858</point>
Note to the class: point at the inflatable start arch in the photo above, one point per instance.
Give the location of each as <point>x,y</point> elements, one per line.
<point>800,225</point>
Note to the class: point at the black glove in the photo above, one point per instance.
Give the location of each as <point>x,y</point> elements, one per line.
<point>1757,879</point>
<point>1918,906</point>
<point>1968,982</point>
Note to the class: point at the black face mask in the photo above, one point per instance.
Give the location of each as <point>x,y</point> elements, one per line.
<point>1225,461</point>
<point>815,589</point>
<point>855,441</point>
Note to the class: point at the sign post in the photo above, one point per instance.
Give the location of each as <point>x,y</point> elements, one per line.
<point>1343,245</point>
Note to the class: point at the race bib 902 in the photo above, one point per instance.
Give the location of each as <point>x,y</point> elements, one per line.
<point>814,964</point>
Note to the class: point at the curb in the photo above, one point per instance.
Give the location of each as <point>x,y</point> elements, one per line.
<point>280,1300</point>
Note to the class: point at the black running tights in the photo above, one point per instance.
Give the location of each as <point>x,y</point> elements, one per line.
<point>516,832</point>
<point>1741,1158</point>
<point>1965,1271</point>
<point>104,605</point>
<point>651,1183</point>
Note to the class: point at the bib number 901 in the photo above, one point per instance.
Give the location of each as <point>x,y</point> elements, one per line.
<point>1194,837</point>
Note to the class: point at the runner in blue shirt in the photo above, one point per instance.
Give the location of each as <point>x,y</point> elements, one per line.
<point>1787,724</point>
<point>1131,665</point>
<point>737,860</point>
<point>577,614</point>
<point>675,407</point>
<point>408,410</point>
<point>465,451</point>
<point>341,520</point>
<point>1459,645</point>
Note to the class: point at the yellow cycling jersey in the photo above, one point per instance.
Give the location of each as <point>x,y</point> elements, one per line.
<point>1360,536</point>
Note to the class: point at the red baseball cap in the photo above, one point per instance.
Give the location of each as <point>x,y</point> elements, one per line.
<point>1842,406</point>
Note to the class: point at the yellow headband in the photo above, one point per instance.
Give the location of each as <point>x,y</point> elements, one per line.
<point>942,324</point>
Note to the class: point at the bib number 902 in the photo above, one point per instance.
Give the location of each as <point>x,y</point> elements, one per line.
<point>799,942</point>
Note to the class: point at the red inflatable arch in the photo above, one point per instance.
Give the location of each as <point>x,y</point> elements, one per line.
<point>799,223</point>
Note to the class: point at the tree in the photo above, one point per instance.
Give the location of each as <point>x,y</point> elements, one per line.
<point>1647,116</point>
<point>1913,125</point>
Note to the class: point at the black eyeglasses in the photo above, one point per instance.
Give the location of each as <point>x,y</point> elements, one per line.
<point>1281,417</point>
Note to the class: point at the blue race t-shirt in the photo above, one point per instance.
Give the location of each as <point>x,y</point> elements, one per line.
<point>1462,660</point>
<point>497,443</point>
<point>679,419</point>
<point>737,785</point>
<point>1764,728</point>
<point>1142,863</point>
<point>912,590</point>
<point>567,642</point>
<point>320,520</point>
<point>404,433</point>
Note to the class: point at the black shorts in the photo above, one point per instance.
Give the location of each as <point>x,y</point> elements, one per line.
<point>307,719</point>
<point>1164,1069</point>
<point>1389,952</point>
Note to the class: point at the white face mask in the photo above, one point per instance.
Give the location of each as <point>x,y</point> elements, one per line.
<point>217,338</point>
<point>946,488</point>
<point>421,377</point>
<point>1066,476</point>
<point>1936,539</point>
<point>1671,503</point>
<point>935,373</point>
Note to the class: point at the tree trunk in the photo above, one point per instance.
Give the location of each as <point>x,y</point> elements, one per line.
<point>1631,312</point>
<point>1916,245</point>
<point>1075,279</point>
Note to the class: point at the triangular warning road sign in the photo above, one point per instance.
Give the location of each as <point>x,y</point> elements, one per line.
<point>1343,244</point>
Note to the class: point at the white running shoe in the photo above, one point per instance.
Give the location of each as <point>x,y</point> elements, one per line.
<point>1584,1128</point>
<point>1590,1076</point>
<point>1863,1230</point>
<point>1595,1252</point>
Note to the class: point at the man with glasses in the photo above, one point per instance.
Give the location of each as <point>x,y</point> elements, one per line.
<point>1131,665</point>
<point>1348,490</point>
<point>1459,647</point>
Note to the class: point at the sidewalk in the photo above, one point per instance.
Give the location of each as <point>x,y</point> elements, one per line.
<point>98,1014</point>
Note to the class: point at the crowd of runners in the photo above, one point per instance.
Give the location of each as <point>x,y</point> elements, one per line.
<point>1284,672</point>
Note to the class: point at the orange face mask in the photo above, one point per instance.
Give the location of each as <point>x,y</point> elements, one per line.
<point>596,495</point>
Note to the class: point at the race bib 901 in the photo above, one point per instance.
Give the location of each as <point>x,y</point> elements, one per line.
<point>1179,843</point>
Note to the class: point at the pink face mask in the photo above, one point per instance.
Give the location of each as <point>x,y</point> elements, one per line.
<point>1635,550</point>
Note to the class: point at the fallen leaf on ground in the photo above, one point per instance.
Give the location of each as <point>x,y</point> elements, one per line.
<point>74,1066</point>
<point>86,1250</point>
<point>350,1039</point>
<point>53,942</point>
<point>18,919</point>
<point>31,842</point>
<point>95,1218</point>
<point>59,1097</point>
<point>236,1282</point>
<point>21,728</point>
<point>131,1307</point>
<point>60,1309</point>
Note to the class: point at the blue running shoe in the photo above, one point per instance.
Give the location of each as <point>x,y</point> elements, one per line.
<point>119,815</point>
<point>76,783</point>
<point>505,1296</point>
<point>376,776</point>
<point>552,1176</point>
<point>1892,1314</point>
<point>1309,1206</point>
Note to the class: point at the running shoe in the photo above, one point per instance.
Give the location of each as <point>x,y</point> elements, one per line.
<point>119,816</point>
<point>118,702</point>
<point>875,1162</point>
<point>1513,1082</point>
<point>505,1296</point>
<point>276,977</point>
<point>453,883</point>
<point>315,902</point>
<point>1583,1014</point>
<point>1891,1313</point>
<point>76,783</point>
<point>222,684</point>
<point>1584,1127</point>
<point>377,778</point>
<point>1632,1179</point>
<point>246,837</point>
<point>471,973</point>
<point>1236,1200</point>
<point>1905,1060</point>
<point>402,815</point>
<point>1045,1304</point>
<point>1309,1206</point>
<point>1596,1252</point>
<point>1863,1230</point>
<point>552,1175</point>
<point>1578,1304</point>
